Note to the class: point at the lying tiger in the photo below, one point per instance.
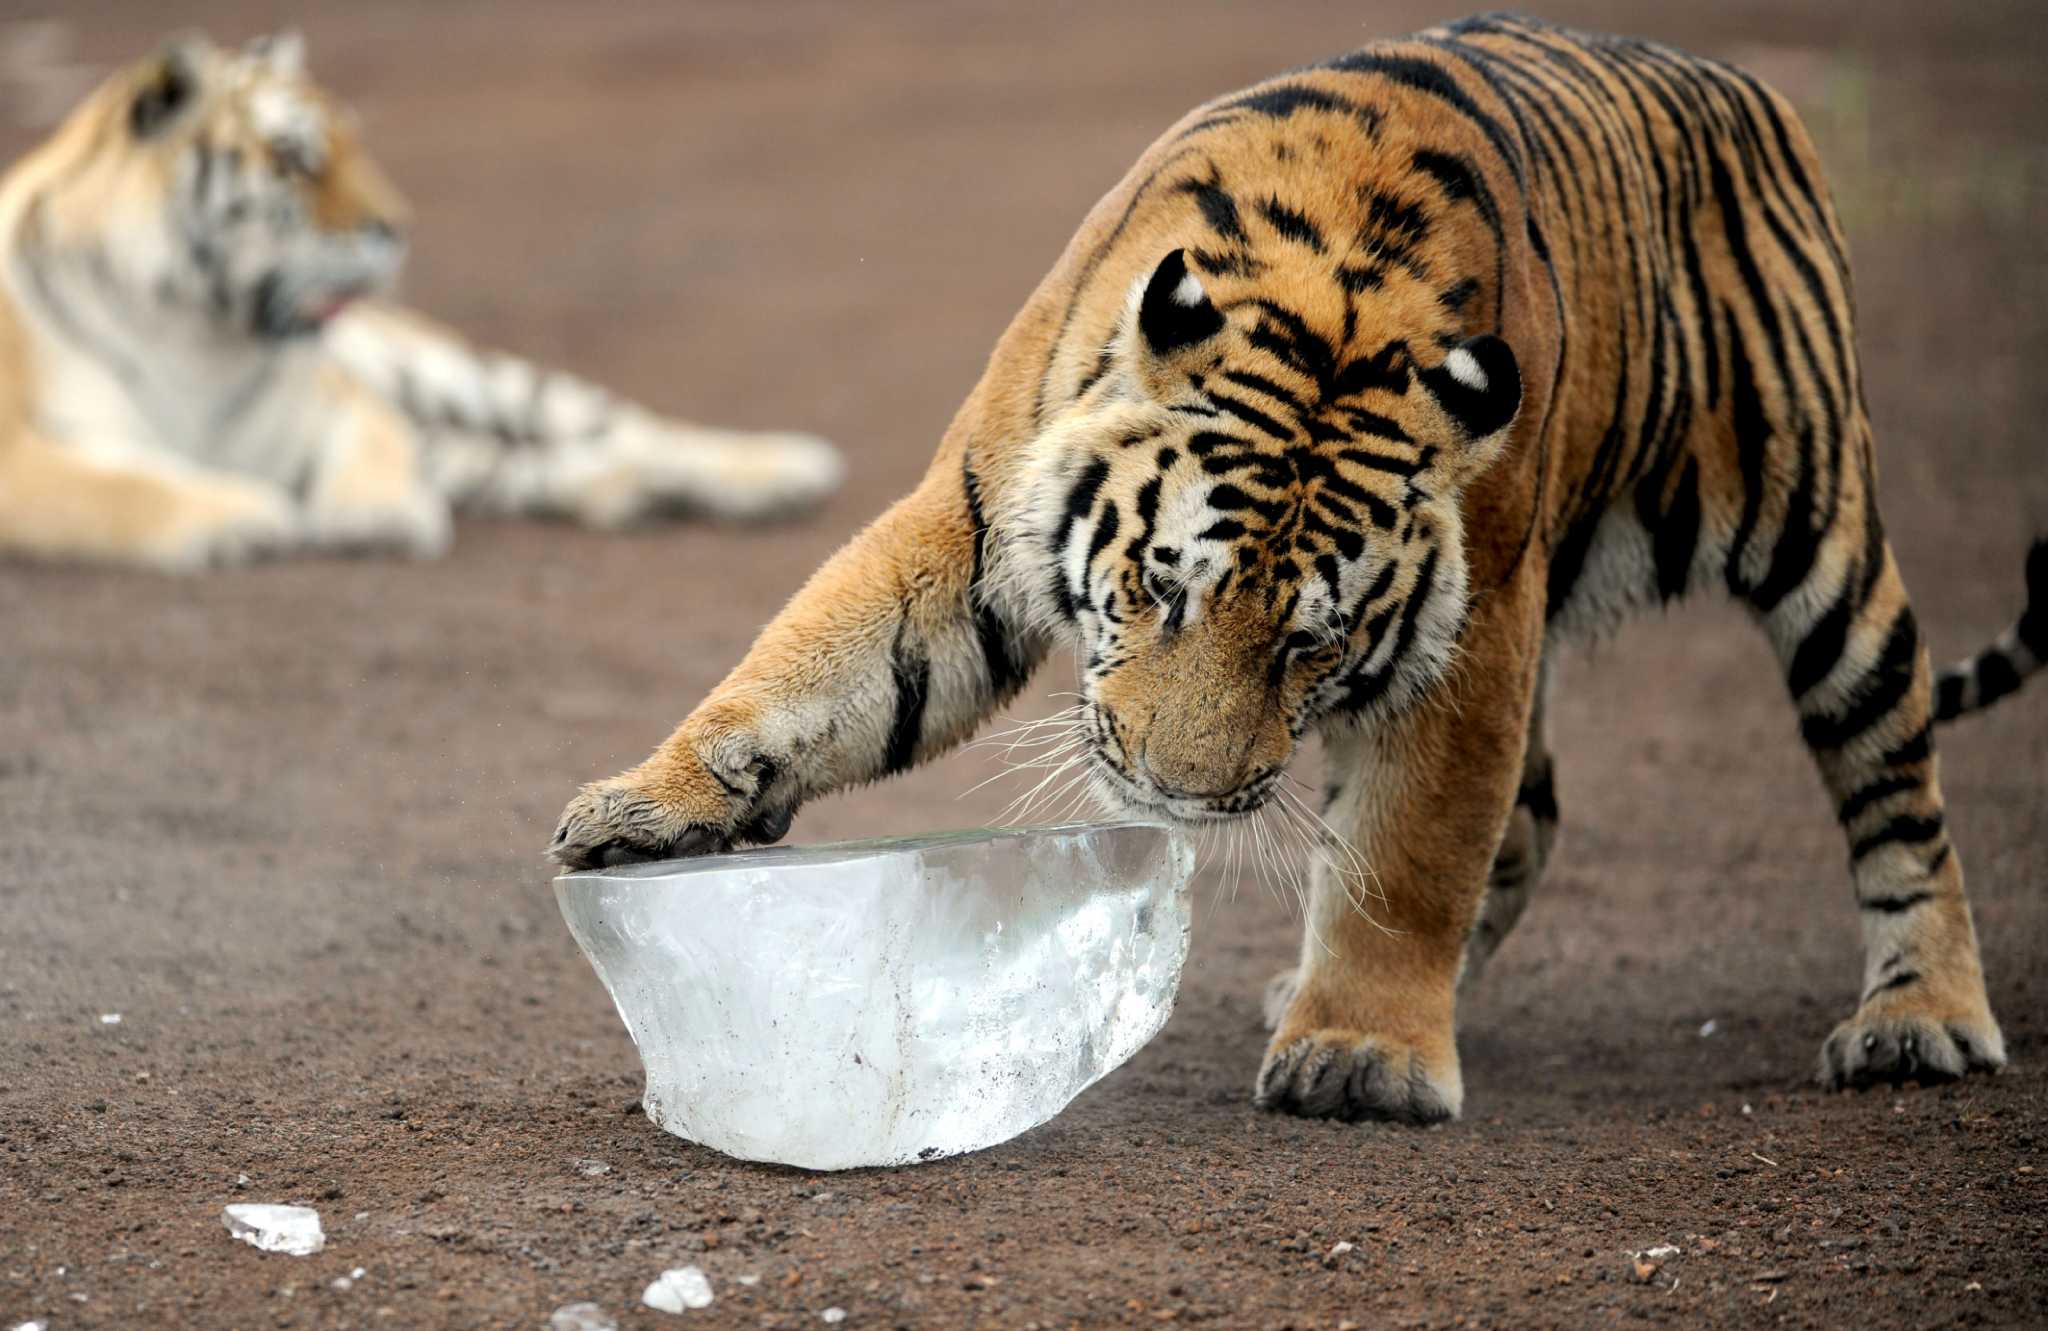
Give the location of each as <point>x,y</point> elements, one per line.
<point>1364,391</point>
<point>188,377</point>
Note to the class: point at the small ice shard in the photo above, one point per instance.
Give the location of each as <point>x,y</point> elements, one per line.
<point>110,1019</point>
<point>1707,1028</point>
<point>747,1280</point>
<point>287,1229</point>
<point>886,1002</point>
<point>29,1326</point>
<point>592,1168</point>
<point>581,1317</point>
<point>678,1289</point>
<point>832,1315</point>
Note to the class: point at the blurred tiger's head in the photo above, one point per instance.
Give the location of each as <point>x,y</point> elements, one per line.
<point>1253,527</point>
<point>223,185</point>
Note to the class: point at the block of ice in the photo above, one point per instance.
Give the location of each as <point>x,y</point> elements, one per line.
<point>884,1002</point>
<point>294,1230</point>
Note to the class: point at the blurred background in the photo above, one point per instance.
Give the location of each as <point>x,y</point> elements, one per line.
<point>288,820</point>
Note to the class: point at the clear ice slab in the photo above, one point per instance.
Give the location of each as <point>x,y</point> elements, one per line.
<point>884,1002</point>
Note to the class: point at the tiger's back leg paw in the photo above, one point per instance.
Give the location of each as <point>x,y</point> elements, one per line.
<point>1894,1043</point>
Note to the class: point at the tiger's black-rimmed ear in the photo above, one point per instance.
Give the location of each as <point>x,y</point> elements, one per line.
<point>170,86</point>
<point>283,51</point>
<point>1478,385</point>
<point>1175,312</point>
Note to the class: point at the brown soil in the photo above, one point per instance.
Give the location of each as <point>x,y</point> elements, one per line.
<point>287,821</point>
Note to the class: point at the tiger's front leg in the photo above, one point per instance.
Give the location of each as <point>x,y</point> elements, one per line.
<point>887,656</point>
<point>1370,1031</point>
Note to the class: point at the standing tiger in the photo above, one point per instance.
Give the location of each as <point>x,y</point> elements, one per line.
<point>187,377</point>
<point>1365,390</point>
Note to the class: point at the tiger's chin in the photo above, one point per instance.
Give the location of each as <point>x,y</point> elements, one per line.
<point>1120,795</point>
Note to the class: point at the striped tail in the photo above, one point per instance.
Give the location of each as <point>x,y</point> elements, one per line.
<point>2001,668</point>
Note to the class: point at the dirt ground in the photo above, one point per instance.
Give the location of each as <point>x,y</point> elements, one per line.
<point>287,822</point>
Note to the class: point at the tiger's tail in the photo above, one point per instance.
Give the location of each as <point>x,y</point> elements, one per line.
<point>501,435</point>
<point>2000,669</point>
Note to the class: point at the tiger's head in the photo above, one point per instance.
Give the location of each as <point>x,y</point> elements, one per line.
<point>1253,528</point>
<point>226,187</point>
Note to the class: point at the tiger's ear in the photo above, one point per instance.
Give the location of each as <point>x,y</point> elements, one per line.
<point>168,88</point>
<point>1175,313</point>
<point>1479,387</point>
<point>284,52</point>
<point>1169,323</point>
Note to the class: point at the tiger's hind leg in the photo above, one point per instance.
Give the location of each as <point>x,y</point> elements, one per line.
<point>1859,675</point>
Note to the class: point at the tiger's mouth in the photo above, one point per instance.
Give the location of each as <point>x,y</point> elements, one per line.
<point>1149,798</point>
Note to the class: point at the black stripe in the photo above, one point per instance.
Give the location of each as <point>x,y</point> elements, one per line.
<point>1886,685</point>
<point>1217,206</point>
<point>1362,692</point>
<point>1426,76</point>
<point>1677,534</point>
<point>1897,905</point>
<point>1006,674</point>
<point>1906,829</point>
<point>1280,103</point>
<point>1080,499</point>
<point>1292,224</point>
<point>1258,383</point>
<point>1996,677</point>
<point>1881,789</point>
<point>1459,179</point>
<point>1752,437</point>
<point>1899,981</point>
<point>1948,695</point>
<point>1252,416</point>
<point>1822,646</point>
<point>1913,750</point>
<point>2033,625</point>
<point>913,672</point>
<point>1105,532</point>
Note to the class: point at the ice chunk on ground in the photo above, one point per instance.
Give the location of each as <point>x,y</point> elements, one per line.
<point>581,1317</point>
<point>832,1315</point>
<point>677,1289</point>
<point>288,1229</point>
<point>110,1019</point>
<point>884,1002</point>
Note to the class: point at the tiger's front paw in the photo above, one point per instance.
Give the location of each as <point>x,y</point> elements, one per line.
<point>1354,1076</point>
<point>693,797</point>
<point>1911,1038</point>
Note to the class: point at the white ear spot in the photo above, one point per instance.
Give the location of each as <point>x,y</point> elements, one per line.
<point>1190,293</point>
<point>1463,366</point>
